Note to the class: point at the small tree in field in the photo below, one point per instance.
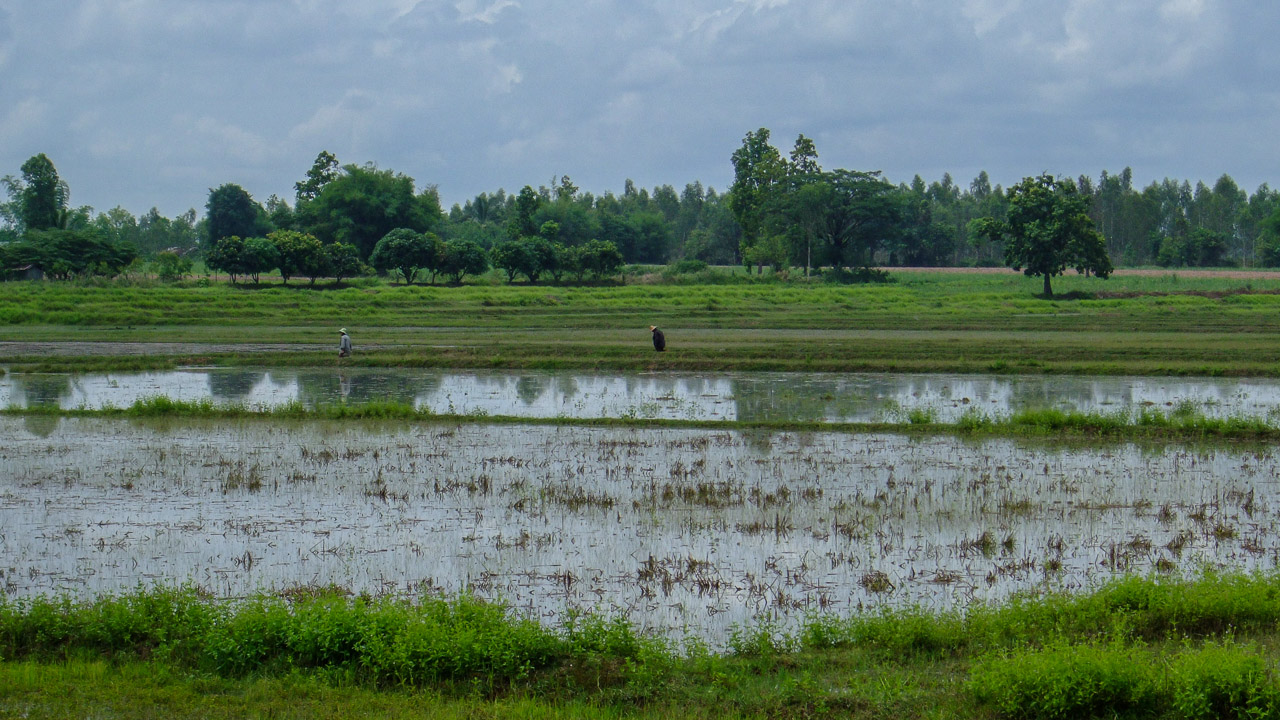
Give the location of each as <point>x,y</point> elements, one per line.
<point>259,256</point>
<point>226,255</point>
<point>342,261</point>
<point>600,257</point>
<point>462,258</point>
<point>513,257</point>
<point>1048,230</point>
<point>299,254</point>
<point>407,251</point>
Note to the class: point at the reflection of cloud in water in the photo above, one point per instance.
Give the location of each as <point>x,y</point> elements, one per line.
<point>723,396</point>
<point>587,396</point>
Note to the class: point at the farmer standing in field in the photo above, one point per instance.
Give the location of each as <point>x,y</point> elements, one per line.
<point>344,345</point>
<point>659,340</point>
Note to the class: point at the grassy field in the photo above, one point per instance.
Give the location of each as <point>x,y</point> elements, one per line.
<point>1142,648</point>
<point>1162,324</point>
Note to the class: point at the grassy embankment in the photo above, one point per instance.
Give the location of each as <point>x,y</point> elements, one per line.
<point>1180,425</point>
<point>1143,648</point>
<point>985,323</point>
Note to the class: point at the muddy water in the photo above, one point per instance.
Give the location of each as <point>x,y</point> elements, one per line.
<point>684,531</point>
<point>756,396</point>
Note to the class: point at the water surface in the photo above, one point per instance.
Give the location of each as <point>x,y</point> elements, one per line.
<point>709,396</point>
<point>685,531</point>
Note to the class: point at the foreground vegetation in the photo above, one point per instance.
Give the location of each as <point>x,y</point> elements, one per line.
<point>1138,647</point>
<point>1130,324</point>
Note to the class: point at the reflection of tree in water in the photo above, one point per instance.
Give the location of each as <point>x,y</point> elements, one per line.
<point>41,425</point>
<point>324,387</point>
<point>230,386</point>
<point>779,400</point>
<point>759,440</point>
<point>1029,393</point>
<point>41,389</point>
<point>530,388</point>
<point>566,385</point>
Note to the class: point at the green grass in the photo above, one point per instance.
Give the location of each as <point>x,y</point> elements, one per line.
<point>1137,647</point>
<point>1161,325</point>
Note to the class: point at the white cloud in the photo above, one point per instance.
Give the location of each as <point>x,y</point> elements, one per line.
<point>480,62</point>
<point>343,122</point>
<point>649,65</point>
<point>987,15</point>
<point>22,120</point>
<point>230,140</point>
<point>476,11</point>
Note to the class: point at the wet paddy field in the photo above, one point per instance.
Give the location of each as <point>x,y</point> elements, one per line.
<point>684,531</point>
<point>774,397</point>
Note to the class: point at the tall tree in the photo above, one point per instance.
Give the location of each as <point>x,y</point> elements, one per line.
<point>804,157</point>
<point>1048,230</point>
<point>42,197</point>
<point>758,169</point>
<point>323,171</point>
<point>523,223</point>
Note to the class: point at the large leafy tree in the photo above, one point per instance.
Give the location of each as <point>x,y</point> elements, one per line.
<point>864,213</point>
<point>516,257</point>
<point>226,255</point>
<point>298,254</point>
<point>230,211</point>
<point>462,258</point>
<point>1047,230</point>
<point>408,252</point>
<point>600,258</point>
<point>259,256</point>
<point>842,217</point>
<point>363,204</point>
<point>64,254</point>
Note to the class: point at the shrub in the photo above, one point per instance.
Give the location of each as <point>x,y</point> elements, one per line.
<point>1072,681</point>
<point>1223,681</point>
<point>170,266</point>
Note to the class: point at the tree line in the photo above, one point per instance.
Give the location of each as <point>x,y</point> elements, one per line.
<point>781,211</point>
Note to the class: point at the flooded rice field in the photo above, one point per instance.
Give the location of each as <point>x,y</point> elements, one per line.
<point>711,396</point>
<point>685,531</point>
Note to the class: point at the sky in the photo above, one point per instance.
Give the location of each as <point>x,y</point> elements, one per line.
<point>151,103</point>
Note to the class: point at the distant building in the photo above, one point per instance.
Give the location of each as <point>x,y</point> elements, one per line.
<point>26,272</point>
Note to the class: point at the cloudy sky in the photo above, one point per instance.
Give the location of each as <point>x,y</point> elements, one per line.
<point>143,103</point>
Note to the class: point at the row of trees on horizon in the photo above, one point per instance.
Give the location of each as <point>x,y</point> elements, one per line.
<point>781,211</point>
